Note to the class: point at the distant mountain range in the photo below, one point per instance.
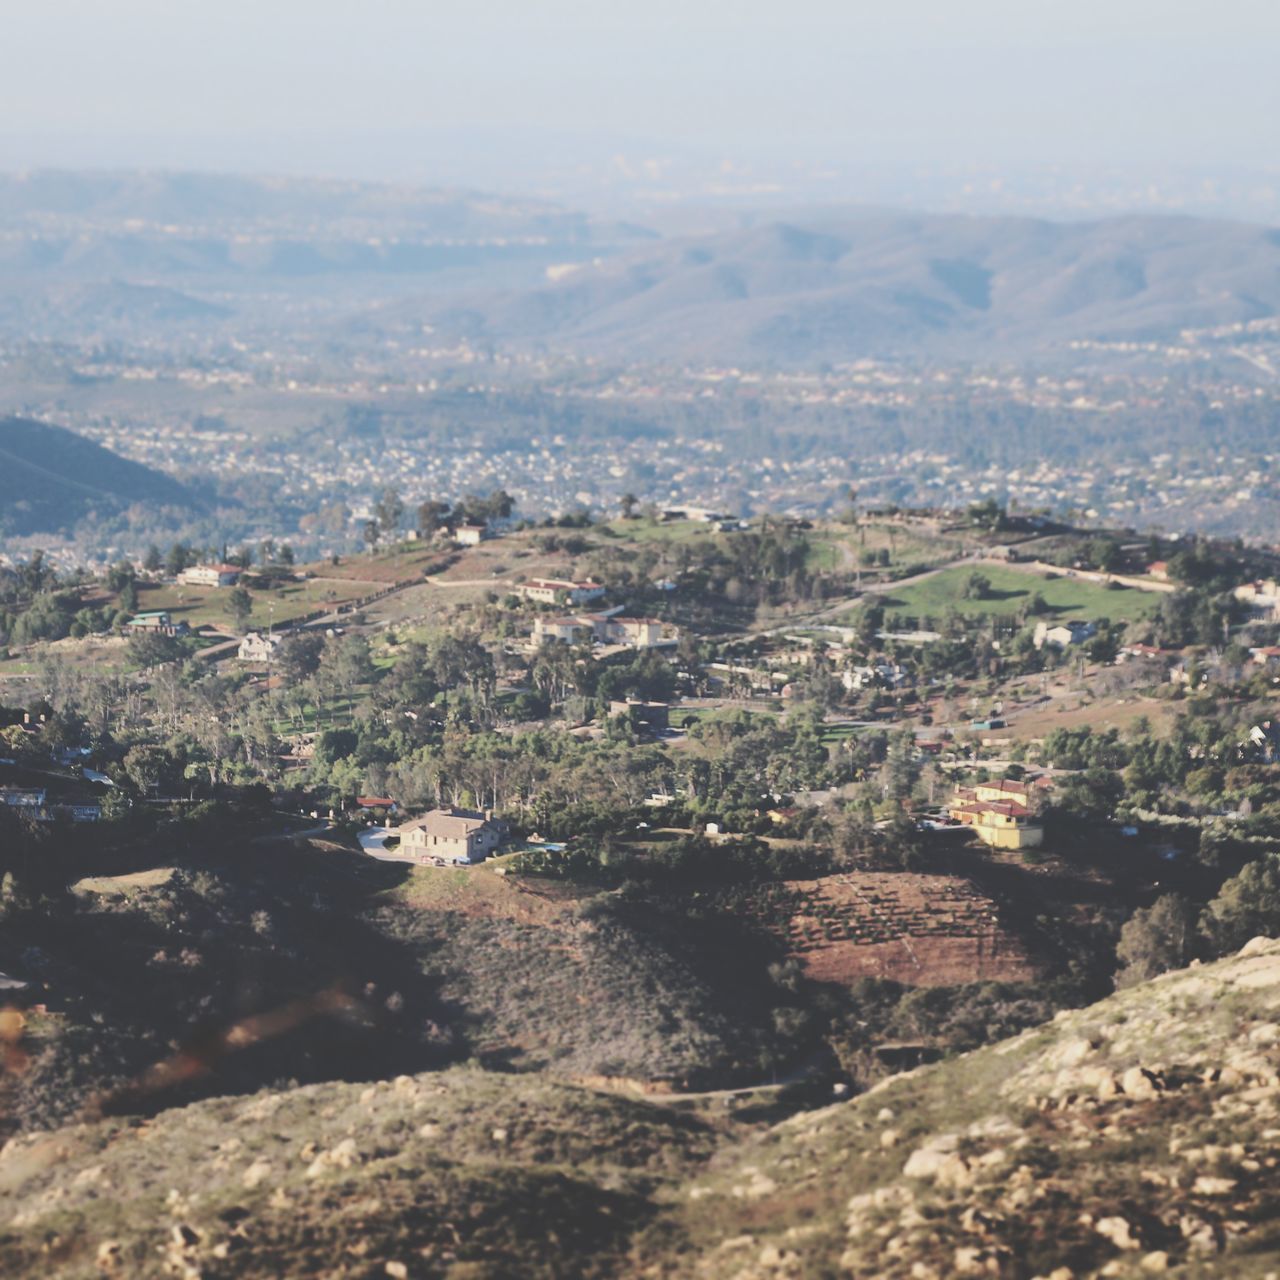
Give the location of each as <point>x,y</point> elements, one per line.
<point>890,284</point>
<point>119,254</point>
<point>51,478</point>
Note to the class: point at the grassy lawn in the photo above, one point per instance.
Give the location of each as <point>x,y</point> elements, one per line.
<point>201,606</point>
<point>840,547</point>
<point>672,531</point>
<point>1010,588</point>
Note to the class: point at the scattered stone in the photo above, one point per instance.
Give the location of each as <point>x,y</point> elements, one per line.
<point>343,1156</point>
<point>1207,1185</point>
<point>1157,1260</point>
<point>889,1138</point>
<point>396,1270</point>
<point>256,1174</point>
<point>1118,1231</point>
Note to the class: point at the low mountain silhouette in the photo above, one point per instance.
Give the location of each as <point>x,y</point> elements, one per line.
<point>51,478</point>
<point>839,286</point>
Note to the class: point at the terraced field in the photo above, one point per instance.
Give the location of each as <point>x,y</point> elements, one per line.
<point>920,930</point>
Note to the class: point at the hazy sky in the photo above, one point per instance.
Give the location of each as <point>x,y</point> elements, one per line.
<point>345,87</point>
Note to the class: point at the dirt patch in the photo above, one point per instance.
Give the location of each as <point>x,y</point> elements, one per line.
<point>921,930</point>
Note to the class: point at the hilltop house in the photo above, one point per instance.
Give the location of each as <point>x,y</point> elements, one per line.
<point>256,647</point>
<point>452,835</point>
<point>638,633</point>
<point>560,630</point>
<point>210,575</point>
<point>159,621</point>
<point>999,813</point>
<point>1263,599</point>
<point>30,799</point>
<point>558,590</point>
<point>470,535</point>
<point>1063,635</point>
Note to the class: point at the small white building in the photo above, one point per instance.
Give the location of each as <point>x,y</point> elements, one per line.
<point>470,535</point>
<point>559,590</point>
<point>1062,635</point>
<point>560,630</point>
<point>210,575</point>
<point>256,647</point>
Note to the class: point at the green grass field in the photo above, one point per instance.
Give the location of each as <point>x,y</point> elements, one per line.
<point>1010,588</point>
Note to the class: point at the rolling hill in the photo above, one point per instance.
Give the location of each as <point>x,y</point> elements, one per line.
<point>51,478</point>
<point>835,287</point>
<point>1130,1138</point>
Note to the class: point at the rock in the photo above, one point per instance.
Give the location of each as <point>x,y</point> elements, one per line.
<point>499,1135</point>
<point>1265,1033</point>
<point>428,1130</point>
<point>256,1174</point>
<point>1157,1260</point>
<point>1073,1052</point>
<point>924,1161</point>
<point>884,1115</point>
<point>1199,1234</point>
<point>396,1270</point>
<point>343,1156</point>
<point>1207,1185</point>
<point>109,1255</point>
<point>1118,1231</point>
<point>889,1138</point>
<point>1139,1083</point>
<point>1258,946</point>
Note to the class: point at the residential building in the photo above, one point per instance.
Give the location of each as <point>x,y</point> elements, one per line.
<point>31,799</point>
<point>452,835</point>
<point>1063,635</point>
<point>210,575</point>
<point>1001,823</point>
<point>160,621</point>
<point>639,633</point>
<point>561,630</point>
<point>256,647</point>
<point>653,717</point>
<point>1263,599</point>
<point>470,535</point>
<point>560,591</point>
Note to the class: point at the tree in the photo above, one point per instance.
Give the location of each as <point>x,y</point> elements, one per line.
<point>239,605</point>
<point>628,502</point>
<point>1156,939</point>
<point>977,586</point>
<point>152,561</point>
<point>180,557</point>
<point>372,533</point>
<point>1247,906</point>
<point>389,513</point>
<point>431,516</point>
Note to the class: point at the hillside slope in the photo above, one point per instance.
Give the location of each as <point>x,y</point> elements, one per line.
<point>837,287</point>
<point>1125,1139</point>
<point>1132,1136</point>
<point>51,478</point>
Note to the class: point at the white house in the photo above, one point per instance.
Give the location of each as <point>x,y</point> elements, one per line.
<point>560,630</point>
<point>555,590</point>
<point>470,535</point>
<point>1062,635</point>
<point>210,575</point>
<point>256,647</point>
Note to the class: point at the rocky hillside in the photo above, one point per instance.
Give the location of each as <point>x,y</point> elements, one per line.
<point>1133,1137</point>
<point>1138,1136</point>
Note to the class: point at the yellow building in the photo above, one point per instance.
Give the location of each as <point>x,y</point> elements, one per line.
<point>1002,823</point>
